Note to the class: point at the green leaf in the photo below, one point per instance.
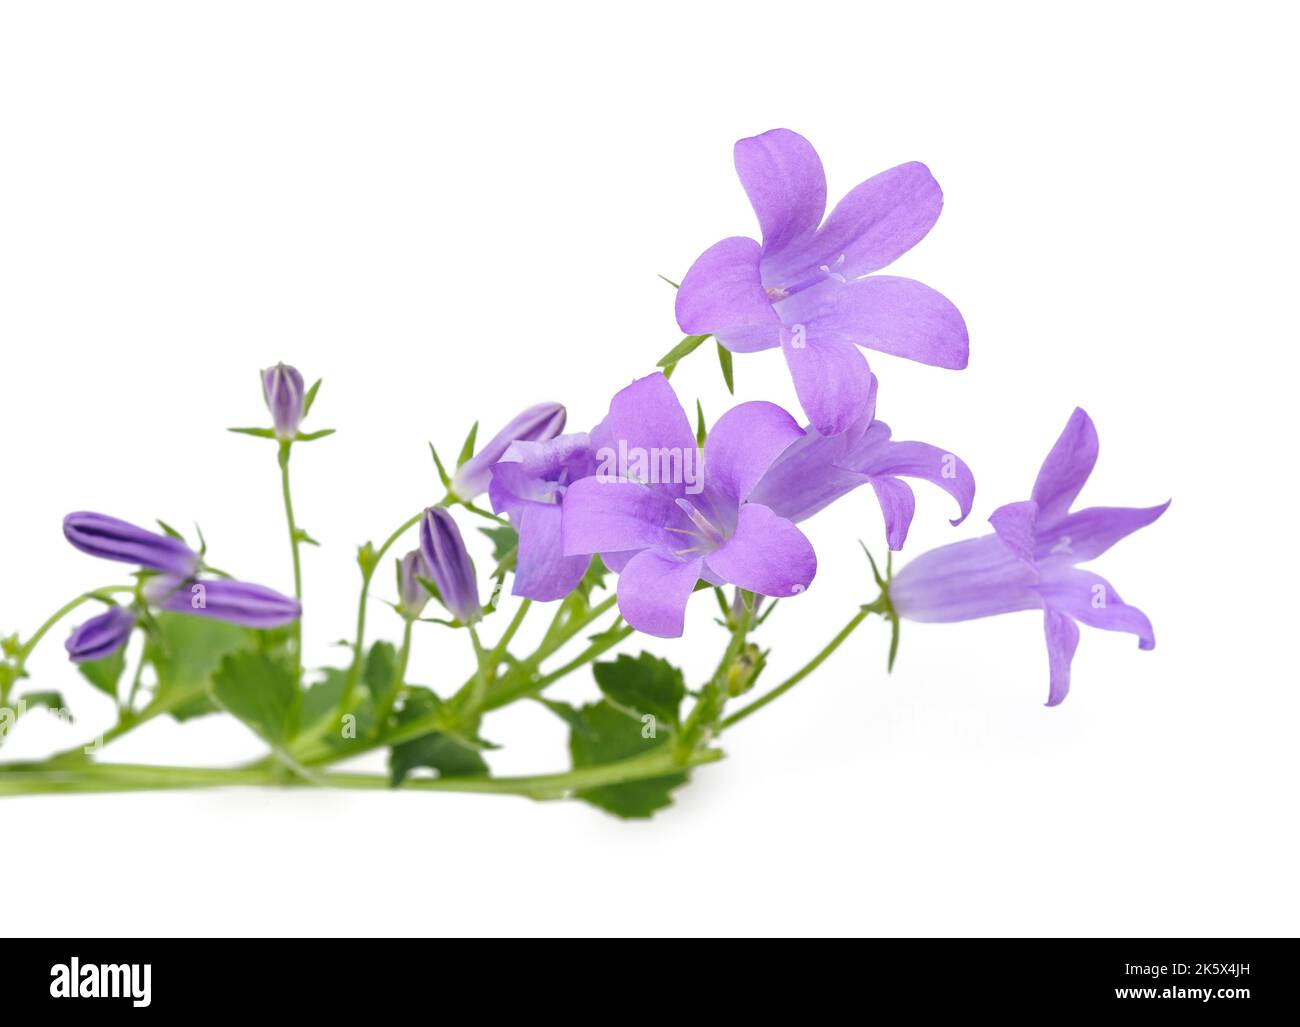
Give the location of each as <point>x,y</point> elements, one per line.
<point>106,673</point>
<point>320,706</point>
<point>442,471</point>
<point>449,756</point>
<point>643,684</point>
<point>53,701</point>
<point>467,450</point>
<point>566,713</point>
<point>310,398</point>
<point>611,736</point>
<point>185,651</point>
<point>687,346</point>
<point>504,540</point>
<point>380,673</point>
<point>260,691</point>
<point>728,375</point>
<point>261,433</point>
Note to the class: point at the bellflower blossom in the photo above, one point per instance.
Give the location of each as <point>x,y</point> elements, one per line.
<point>809,287</point>
<point>282,386</point>
<point>818,469</point>
<point>536,424</point>
<point>450,567</point>
<point>1029,562</point>
<point>101,636</point>
<point>412,595</point>
<point>528,486</point>
<point>236,602</point>
<point>112,539</point>
<point>669,523</point>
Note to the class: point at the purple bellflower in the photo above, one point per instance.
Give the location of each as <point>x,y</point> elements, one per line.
<point>236,602</point>
<point>528,486</point>
<point>809,287</point>
<point>663,522</point>
<point>450,567</point>
<point>282,386</point>
<point>536,424</point>
<point>101,636</point>
<point>412,595</point>
<point>1029,562</point>
<point>818,469</point>
<point>112,539</point>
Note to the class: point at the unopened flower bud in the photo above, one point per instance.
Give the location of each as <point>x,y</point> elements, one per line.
<point>449,564</point>
<point>283,388</point>
<point>536,424</point>
<point>101,636</point>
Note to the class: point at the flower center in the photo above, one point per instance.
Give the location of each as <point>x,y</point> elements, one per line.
<point>709,535</point>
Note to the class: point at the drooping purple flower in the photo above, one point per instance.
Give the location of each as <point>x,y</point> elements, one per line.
<point>528,486</point>
<point>112,539</point>
<point>536,424</point>
<point>450,567</point>
<point>809,287</point>
<point>817,469</point>
<point>237,602</point>
<point>282,386</point>
<point>664,522</point>
<point>1029,562</point>
<point>101,636</point>
<point>412,595</point>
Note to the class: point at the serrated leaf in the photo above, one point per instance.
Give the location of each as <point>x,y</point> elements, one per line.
<point>728,373</point>
<point>643,684</point>
<point>438,751</point>
<point>106,673</point>
<point>260,691</point>
<point>566,713</point>
<point>45,700</point>
<point>185,651</point>
<point>611,736</point>
<point>504,539</point>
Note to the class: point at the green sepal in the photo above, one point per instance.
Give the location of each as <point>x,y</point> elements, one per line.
<point>467,450</point>
<point>728,374</point>
<point>261,433</point>
<point>443,476</point>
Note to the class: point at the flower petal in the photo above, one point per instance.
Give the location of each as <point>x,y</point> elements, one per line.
<point>653,591</point>
<point>831,377</point>
<point>767,554</point>
<point>898,504</point>
<point>744,443</point>
<point>1089,598</point>
<point>921,460</point>
<point>980,577</point>
<point>892,315</point>
<point>646,417</point>
<point>1087,534</point>
<point>612,515</point>
<point>1014,524</point>
<point>542,571</point>
<point>1062,639</point>
<point>723,295</point>
<point>1066,469</point>
<point>786,185</point>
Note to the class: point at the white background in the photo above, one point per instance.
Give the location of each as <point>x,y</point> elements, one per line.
<point>449,213</point>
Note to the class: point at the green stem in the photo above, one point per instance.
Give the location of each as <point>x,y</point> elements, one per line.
<point>526,688</point>
<point>800,674</point>
<point>385,709</point>
<point>286,446</point>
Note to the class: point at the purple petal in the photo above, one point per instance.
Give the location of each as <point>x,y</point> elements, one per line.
<point>647,417</point>
<point>786,185</point>
<point>542,571</point>
<point>616,515</point>
<point>450,566</point>
<point>237,602</point>
<point>282,387</point>
<point>653,591</point>
<point>112,539</point>
<point>743,445</point>
<point>898,504</point>
<point>935,465</point>
<point>892,315</point>
<point>536,424</point>
<point>540,471</point>
<point>101,636</point>
<point>1087,534</point>
<point>1066,469</point>
<point>965,580</point>
<point>1090,599</point>
<point>411,591</point>
<point>872,226</point>
<point>767,554</point>
<point>1062,639</point>
<point>1014,524</point>
<point>723,295</point>
<point>831,377</point>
